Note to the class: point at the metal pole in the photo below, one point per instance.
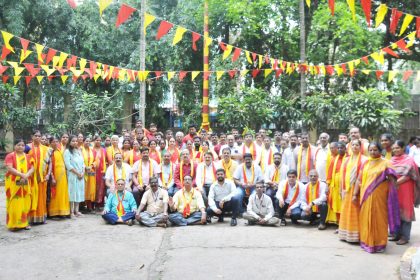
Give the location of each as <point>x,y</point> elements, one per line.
<point>205,109</point>
<point>302,54</point>
<point>142,98</point>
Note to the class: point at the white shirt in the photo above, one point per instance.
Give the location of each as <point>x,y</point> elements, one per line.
<point>234,151</point>
<point>247,150</point>
<point>303,176</point>
<point>145,171</point>
<point>166,173</point>
<point>109,174</point>
<point>322,194</point>
<point>301,199</point>
<point>321,162</point>
<point>415,153</point>
<point>265,157</point>
<point>238,175</point>
<point>260,206</point>
<point>209,171</point>
<point>288,158</point>
<point>221,192</point>
<point>271,169</point>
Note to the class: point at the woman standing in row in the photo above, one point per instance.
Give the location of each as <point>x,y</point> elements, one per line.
<point>90,174</point>
<point>99,154</point>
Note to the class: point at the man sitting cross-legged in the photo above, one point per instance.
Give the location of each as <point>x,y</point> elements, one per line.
<point>188,204</point>
<point>222,198</point>
<point>316,200</point>
<point>120,207</point>
<point>260,208</point>
<point>156,201</point>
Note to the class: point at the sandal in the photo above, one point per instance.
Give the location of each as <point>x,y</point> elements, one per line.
<point>402,241</point>
<point>27,228</point>
<point>79,214</point>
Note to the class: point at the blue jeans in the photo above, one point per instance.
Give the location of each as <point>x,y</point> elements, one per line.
<point>178,220</point>
<point>296,213</point>
<point>112,218</point>
<point>271,193</point>
<point>232,205</point>
<point>241,194</point>
<point>172,190</point>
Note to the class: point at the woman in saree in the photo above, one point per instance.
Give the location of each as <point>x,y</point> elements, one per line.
<point>18,182</point>
<point>134,154</point>
<point>173,150</point>
<point>408,190</point>
<point>75,166</point>
<point>100,162</point>
<point>162,147</point>
<point>144,142</point>
<point>153,152</point>
<point>63,142</point>
<point>378,201</point>
<point>40,156</point>
<point>59,203</point>
<point>90,174</point>
<point>348,228</point>
<point>126,149</point>
<point>386,142</point>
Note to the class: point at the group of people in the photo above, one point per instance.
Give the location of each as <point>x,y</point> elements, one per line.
<point>368,190</point>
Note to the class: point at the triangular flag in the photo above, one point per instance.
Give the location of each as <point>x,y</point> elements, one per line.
<point>407,74</point>
<point>366,72</point>
<point>255,72</point>
<point>120,74</point>
<point>39,78</point>
<point>244,72</point>
<point>366,5</point>
<point>124,14</point>
<point>50,55</point>
<point>158,74</point>
<point>260,61</point>
<point>3,69</point>
<point>16,79</point>
<point>195,37</point>
<point>95,77</point>
<point>39,49</point>
<point>28,80</point>
<point>31,69</point>
<point>352,9</point>
<point>379,57</point>
<point>4,79</point>
<point>254,56</point>
<point>331,5</point>
<point>219,74</point>
<point>182,75</point>
<point>391,75</point>
<point>64,79</point>
<point>163,29</point>
<point>227,51</point>
<point>412,38</point>
<point>75,78</point>
<point>92,68</point>
<point>56,60</point>
<point>76,72</point>
<point>4,53</point>
<point>232,73</point>
<point>338,69</point>
<point>267,72</point>
<point>82,64</point>
<point>48,70</point>
<point>407,20</point>
<point>63,57</point>
<point>395,17</point>
<point>279,72</point>
<point>365,60</point>
<point>390,52</point>
<point>72,4</point>
<point>248,57</point>
<point>194,74</point>
<point>380,15</point>
<point>178,35</point>
<point>24,55</point>
<point>402,45</point>
<point>50,78</point>
<point>18,70</point>
<point>103,4</point>
<point>379,74</point>
<point>308,2</point>
<point>170,75</point>
<point>343,66</point>
<point>357,61</point>
<point>418,27</point>
<point>329,69</point>
<point>236,54</point>
<point>62,70</point>
<point>6,38</point>
<point>24,43</point>
<point>351,68</point>
<point>222,46</point>
<point>148,19</point>
<point>208,41</point>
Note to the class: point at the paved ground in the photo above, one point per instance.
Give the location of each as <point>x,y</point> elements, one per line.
<point>86,248</point>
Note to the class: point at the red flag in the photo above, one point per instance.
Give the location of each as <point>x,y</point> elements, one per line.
<point>31,69</point>
<point>84,76</point>
<point>254,56</point>
<point>50,78</point>
<point>366,5</point>
<point>365,60</point>
<point>379,74</point>
<point>41,62</point>
<point>418,26</point>
<point>71,62</point>
<point>331,5</point>
<point>343,66</point>
<point>278,72</point>
<point>116,73</point>
<point>402,45</point>
<point>195,37</point>
<point>316,67</point>
<point>232,73</point>
<point>28,79</point>
<point>124,13</point>
<point>236,54</point>
<point>72,4</point>
<point>131,76</point>
<point>4,53</point>
<point>329,69</point>
<point>255,73</point>
<point>222,46</point>
<point>395,17</point>
<point>92,68</point>
<point>3,68</point>
<point>4,79</point>
<point>164,28</point>
<point>158,74</point>
<point>25,44</point>
<point>390,52</point>
<point>276,64</point>
<point>407,74</point>
<point>51,53</point>
<point>182,75</point>
<point>206,75</point>
<point>75,78</point>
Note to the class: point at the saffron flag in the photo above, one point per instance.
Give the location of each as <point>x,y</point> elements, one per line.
<point>407,74</point>
<point>366,5</point>
<point>195,37</point>
<point>6,39</point>
<point>331,5</point>
<point>236,54</point>
<point>124,14</point>
<point>163,29</point>
<point>395,17</point>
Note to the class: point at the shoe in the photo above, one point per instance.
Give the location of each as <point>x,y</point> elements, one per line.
<point>394,238</point>
<point>322,227</point>
<point>402,241</point>
<point>208,219</point>
<point>283,222</point>
<point>233,222</point>
<point>295,222</point>
<point>221,220</point>
<point>129,223</point>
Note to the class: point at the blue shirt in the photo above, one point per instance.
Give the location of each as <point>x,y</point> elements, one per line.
<point>129,203</point>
